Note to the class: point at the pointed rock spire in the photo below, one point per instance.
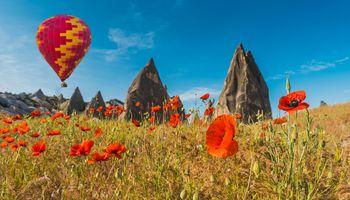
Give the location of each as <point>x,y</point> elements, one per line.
<point>39,95</point>
<point>147,88</point>
<point>245,90</point>
<point>76,103</point>
<point>96,103</point>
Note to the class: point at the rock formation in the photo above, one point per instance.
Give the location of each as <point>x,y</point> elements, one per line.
<point>75,103</point>
<point>96,103</point>
<point>147,88</point>
<point>245,90</point>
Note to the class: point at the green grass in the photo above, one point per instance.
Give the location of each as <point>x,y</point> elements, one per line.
<point>302,159</point>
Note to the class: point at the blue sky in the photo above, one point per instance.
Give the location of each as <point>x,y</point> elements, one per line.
<point>191,41</point>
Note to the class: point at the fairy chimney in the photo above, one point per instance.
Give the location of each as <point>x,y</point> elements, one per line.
<point>147,88</point>
<point>245,90</point>
<point>96,103</point>
<point>76,103</point>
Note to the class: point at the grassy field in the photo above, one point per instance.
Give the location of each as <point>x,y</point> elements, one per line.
<point>304,158</point>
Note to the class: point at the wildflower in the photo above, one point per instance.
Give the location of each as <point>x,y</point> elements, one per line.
<point>99,109</point>
<point>209,111</point>
<point>166,106</point>
<point>35,113</point>
<point>151,128</point>
<point>135,122</point>
<point>23,128</point>
<point>9,139</point>
<point>82,149</point>
<point>115,149</point>
<point>91,110</point>
<point>98,132</point>
<point>36,134</point>
<point>280,120</point>
<point>85,128</point>
<point>174,120</point>
<point>3,144</point>
<point>4,130</point>
<point>175,103</point>
<point>293,102</point>
<point>97,157</point>
<point>138,104</point>
<point>155,109</point>
<point>16,117</point>
<point>22,143</point>
<point>7,121</point>
<point>38,148</point>
<point>66,117</point>
<point>205,96</point>
<point>262,135</point>
<point>54,132</point>
<point>14,147</point>
<point>57,115</point>
<point>152,119</point>
<point>219,137</point>
<point>43,120</point>
<point>120,109</point>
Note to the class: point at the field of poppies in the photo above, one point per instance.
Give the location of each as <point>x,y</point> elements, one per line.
<point>303,154</point>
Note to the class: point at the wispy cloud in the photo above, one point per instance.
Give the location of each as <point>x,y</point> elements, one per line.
<point>196,92</point>
<point>312,66</point>
<point>127,43</point>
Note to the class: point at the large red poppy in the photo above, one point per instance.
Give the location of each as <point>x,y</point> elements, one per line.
<point>116,149</point>
<point>293,101</point>
<point>38,148</point>
<point>82,149</point>
<point>219,137</point>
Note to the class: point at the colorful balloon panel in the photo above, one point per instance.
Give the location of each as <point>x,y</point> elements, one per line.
<point>63,40</point>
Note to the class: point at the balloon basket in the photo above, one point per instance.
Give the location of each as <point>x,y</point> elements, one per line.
<point>64,85</point>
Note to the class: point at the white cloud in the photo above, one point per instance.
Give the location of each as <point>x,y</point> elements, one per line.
<point>312,66</point>
<point>197,92</point>
<point>127,43</point>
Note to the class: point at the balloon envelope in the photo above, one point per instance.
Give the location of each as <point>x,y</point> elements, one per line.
<point>63,40</point>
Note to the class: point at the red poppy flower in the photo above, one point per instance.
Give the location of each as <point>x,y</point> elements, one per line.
<point>135,122</point>
<point>36,134</point>
<point>138,104</point>
<point>57,115</point>
<point>205,96</point>
<point>120,109</point>
<point>151,128</point>
<point>66,117</point>
<point>99,109</point>
<point>85,128</point>
<point>175,103</point>
<point>38,148</point>
<point>209,111</point>
<point>9,139</point>
<point>3,144</point>
<point>174,120</point>
<point>219,137</point>
<point>22,128</point>
<point>16,117</point>
<point>43,120</point>
<point>35,113</point>
<point>280,120</point>
<point>22,143</point>
<point>155,109</point>
<point>14,147</point>
<point>115,149</point>
<point>152,119</point>
<point>7,121</point>
<point>98,132</point>
<point>82,149</point>
<point>54,132</point>
<point>293,101</point>
<point>97,157</point>
<point>4,130</point>
<point>91,110</point>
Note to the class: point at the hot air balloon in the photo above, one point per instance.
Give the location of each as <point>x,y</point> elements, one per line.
<point>63,40</point>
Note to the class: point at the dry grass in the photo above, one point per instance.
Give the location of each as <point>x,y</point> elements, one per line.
<point>306,158</point>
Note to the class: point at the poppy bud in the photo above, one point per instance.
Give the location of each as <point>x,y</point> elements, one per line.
<point>288,87</point>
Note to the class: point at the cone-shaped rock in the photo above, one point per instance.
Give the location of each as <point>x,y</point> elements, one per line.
<point>147,88</point>
<point>96,103</point>
<point>76,103</point>
<point>245,90</point>
<point>39,95</point>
